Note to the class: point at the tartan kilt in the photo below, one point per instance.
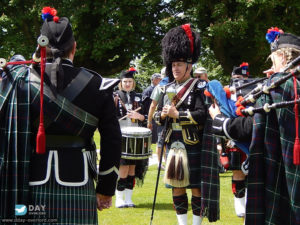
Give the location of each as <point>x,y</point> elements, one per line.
<point>236,158</point>
<point>69,205</point>
<point>194,163</point>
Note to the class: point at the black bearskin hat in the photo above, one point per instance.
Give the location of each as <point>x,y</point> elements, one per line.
<point>180,44</point>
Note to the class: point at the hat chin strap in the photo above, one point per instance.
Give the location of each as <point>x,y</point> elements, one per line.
<point>186,69</point>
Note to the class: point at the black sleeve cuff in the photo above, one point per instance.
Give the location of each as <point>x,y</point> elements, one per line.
<point>107,184</point>
<point>185,118</point>
<point>217,125</point>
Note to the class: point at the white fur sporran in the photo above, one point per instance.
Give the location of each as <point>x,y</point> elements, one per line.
<point>177,168</point>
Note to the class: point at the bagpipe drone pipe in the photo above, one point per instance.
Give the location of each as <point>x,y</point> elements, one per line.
<point>241,87</point>
<point>243,105</point>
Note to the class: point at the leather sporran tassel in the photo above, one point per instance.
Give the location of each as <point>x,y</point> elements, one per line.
<point>177,173</point>
<point>179,168</point>
<point>171,167</point>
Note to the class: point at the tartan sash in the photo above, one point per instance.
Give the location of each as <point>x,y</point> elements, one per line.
<point>19,92</point>
<point>60,110</point>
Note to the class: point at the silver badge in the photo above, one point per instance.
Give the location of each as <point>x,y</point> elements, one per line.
<point>201,84</point>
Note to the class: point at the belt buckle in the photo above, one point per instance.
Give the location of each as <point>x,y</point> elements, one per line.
<point>176,127</point>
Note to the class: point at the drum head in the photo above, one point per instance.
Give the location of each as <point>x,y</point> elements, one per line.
<point>136,131</point>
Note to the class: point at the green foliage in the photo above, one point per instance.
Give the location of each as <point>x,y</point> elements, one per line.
<point>110,34</point>
<point>164,212</point>
<point>145,70</point>
<point>235,30</point>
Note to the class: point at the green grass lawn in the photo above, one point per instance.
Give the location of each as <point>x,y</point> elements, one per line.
<point>164,213</point>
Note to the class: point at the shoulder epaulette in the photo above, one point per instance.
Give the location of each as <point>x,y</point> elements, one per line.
<point>106,83</point>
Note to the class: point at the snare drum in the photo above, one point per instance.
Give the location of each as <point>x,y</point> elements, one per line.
<point>136,143</point>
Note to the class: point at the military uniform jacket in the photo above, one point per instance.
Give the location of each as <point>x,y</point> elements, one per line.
<point>192,113</point>
<point>135,99</point>
<point>72,165</point>
<point>239,128</point>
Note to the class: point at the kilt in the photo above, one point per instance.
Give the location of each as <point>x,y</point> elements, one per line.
<point>273,179</point>
<point>194,161</point>
<point>127,162</point>
<point>141,168</point>
<point>236,158</point>
<point>69,205</point>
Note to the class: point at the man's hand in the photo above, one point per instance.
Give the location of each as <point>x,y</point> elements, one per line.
<point>103,201</point>
<point>171,111</point>
<point>214,110</point>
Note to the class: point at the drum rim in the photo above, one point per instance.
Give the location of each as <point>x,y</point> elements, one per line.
<point>136,156</point>
<point>142,130</point>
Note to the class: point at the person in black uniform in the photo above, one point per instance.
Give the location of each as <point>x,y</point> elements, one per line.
<point>130,108</point>
<point>184,112</point>
<point>62,179</point>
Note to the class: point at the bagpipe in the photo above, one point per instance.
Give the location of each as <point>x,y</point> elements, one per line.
<point>39,53</point>
<point>39,57</point>
<point>242,87</point>
<point>247,97</point>
<point>240,107</point>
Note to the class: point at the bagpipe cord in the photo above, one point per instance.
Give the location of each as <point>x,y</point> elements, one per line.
<point>296,158</point>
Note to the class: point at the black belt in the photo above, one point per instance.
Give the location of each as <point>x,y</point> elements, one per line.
<point>54,142</point>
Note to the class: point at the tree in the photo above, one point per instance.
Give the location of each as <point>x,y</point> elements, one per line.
<point>235,29</point>
<point>109,33</point>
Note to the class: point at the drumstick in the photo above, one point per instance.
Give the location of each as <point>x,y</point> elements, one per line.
<point>137,109</point>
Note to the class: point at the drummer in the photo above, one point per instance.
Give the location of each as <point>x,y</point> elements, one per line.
<point>128,103</point>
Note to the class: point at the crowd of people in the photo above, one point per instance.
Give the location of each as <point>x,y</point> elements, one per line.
<point>47,122</point>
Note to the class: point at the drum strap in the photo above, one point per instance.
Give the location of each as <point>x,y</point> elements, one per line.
<point>117,97</point>
<point>123,99</point>
<point>122,96</point>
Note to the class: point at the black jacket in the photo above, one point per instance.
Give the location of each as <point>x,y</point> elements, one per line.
<point>192,114</point>
<point>120,99</point>
<point>238,129</point>
<point>72,165</point>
